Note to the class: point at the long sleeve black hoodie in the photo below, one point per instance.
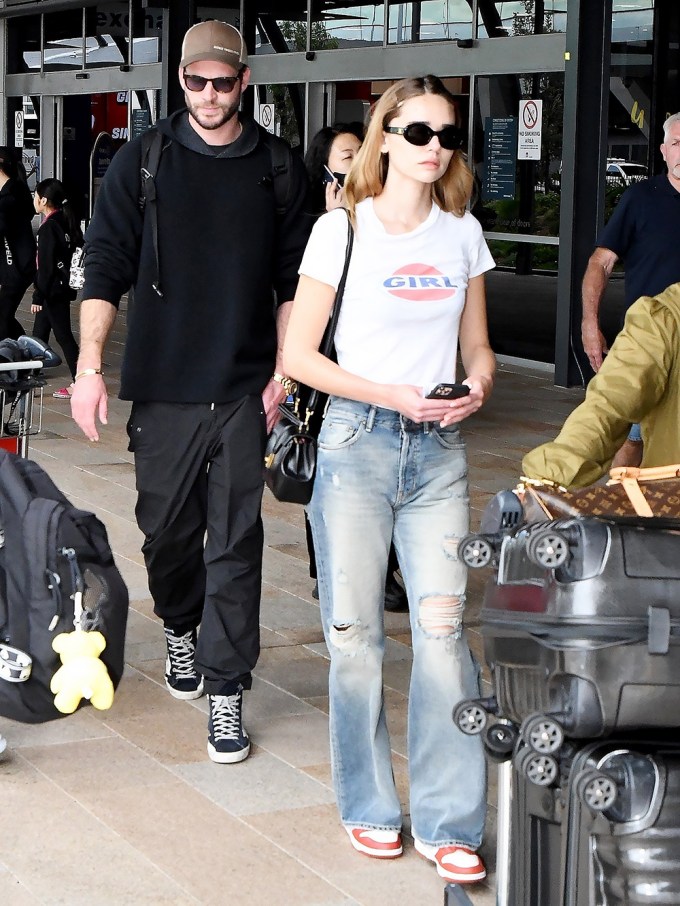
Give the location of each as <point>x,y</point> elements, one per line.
<point>225,256</point>
<point>16,233</point>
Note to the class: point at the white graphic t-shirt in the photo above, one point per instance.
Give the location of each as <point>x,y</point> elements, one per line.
<point>404,294</point>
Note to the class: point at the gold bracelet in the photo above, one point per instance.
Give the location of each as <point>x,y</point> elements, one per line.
<point>288,384</point>
<point>87,371</point>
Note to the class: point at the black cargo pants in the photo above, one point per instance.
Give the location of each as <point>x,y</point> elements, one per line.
<point>199,486</point>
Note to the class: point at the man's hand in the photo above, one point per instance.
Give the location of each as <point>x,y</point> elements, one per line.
<point>594,343</point>
<point>89,399</point>
<point>272,395</point>
<point>35,308</point>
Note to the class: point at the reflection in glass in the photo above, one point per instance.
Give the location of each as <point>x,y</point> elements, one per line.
<point>63,41</point>
<point>413,23</point>
<point>358,25</point>
<point>631,85</point>
<point>23,44</point>
<point>632,21</point>
<point>280,35</point>
<point>521,17</point>
<point>288,101</point>
<point>532,205</point>
<point>147,25</point>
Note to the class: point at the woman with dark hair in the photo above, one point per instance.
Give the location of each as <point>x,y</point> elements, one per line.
<point>17,261</point>
<point>328,159</point>
<point>391,464</point>
<point>58,236</point>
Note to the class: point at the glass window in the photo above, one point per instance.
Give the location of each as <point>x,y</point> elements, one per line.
<point>519,195</point>
<point>498,19</point>
<point>357,25</point>
<point>23,44</point>
<point>414,23</point>
<point>147,25</point>
<point>280,35</point>
<point>631,86</point>
<point>288,101</point>
<point>107,27</point>
<point>63,48</point>
<point>632,21</point>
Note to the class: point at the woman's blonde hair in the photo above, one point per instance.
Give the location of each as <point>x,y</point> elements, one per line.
<point>367,176</point>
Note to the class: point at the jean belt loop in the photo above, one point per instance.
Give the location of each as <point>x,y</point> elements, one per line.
<point>370,419</point>
<point>427,427</point>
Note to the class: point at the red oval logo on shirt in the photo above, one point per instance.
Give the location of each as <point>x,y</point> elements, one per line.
<point>420,283</point>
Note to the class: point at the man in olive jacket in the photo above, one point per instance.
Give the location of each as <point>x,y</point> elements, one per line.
<point>639,381</point>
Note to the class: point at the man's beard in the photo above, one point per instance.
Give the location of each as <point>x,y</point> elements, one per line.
<point>228,113</point>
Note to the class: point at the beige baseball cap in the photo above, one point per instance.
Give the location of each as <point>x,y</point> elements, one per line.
<point>216,41</point>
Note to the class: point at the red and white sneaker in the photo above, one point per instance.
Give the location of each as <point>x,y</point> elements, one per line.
<point>380,844</point>
<point>454,863</point>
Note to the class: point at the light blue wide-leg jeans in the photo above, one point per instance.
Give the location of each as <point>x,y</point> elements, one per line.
<point>379,475</point>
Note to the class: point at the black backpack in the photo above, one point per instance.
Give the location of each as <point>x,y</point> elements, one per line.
<point>153,143</point>
<point>50,554</point>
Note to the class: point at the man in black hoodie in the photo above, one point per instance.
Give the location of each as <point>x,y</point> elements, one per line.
<point>17,257</point>
<point>201,365</point>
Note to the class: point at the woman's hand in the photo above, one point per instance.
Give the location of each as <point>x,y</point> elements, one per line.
<point>409,401</point>
<point>35,309</point>
<point>335,196</point>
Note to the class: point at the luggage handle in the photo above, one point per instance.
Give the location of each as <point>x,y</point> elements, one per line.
<point>659,633</point>
<point>659,630</point>
<point>548,640</point>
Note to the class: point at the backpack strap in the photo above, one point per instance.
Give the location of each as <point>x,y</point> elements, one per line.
<point>282,167</point>
<point>152,147</point>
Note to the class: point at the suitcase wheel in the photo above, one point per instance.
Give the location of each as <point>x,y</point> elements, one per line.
<point>547,548</point>
<point>596,790</point>
<point>470,717</point>
<point>500,740</point>
<point>541,770</point>
<point>543,734</point>
<point>475,551</point>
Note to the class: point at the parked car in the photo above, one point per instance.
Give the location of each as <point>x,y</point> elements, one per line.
<point>624,172</point>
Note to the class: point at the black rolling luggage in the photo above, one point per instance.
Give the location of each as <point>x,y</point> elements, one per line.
<point>581,625</point>
<point>581,621</point>
<point>608,832</point>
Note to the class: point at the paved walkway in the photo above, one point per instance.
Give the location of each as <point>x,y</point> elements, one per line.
<point>123,806</point>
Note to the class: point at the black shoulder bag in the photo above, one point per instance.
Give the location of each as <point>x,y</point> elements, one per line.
<point>290,456</point>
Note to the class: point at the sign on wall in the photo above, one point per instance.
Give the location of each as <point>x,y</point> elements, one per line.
<point>19,129</point>
<point>529,132</point>
<point>267,117</point>
<point>500,157</point>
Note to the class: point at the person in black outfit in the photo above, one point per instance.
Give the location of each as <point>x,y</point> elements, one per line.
<point>17,263</point>
<point>58,236</point>
<point>201,364</point>
<point>330,154</point>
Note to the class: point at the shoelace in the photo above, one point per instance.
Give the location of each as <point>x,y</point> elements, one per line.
<point>226,716</point>
<point>181,651</point>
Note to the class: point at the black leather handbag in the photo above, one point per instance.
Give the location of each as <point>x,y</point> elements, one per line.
<point>290,455</point>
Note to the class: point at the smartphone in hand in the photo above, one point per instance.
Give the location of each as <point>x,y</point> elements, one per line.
<point>329,176</point>
<point>448,392</point>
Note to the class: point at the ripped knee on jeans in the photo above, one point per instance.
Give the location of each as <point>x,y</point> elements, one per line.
<point>441,615</point>
<point>348,638</point>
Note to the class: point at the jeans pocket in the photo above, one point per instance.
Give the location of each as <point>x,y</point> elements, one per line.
<point>338,432</point>
<point>449,437</point>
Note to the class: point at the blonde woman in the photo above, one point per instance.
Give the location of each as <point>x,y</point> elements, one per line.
<point>392,464</point>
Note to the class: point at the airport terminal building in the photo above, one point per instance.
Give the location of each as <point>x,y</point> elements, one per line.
<point>563,102</point>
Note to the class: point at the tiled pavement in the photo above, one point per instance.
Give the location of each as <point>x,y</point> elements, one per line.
<point>123,807</point>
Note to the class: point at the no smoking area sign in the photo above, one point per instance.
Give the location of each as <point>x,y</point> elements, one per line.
<point>19,129</point>
<point>267,117</point>
<point>529,132</point>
